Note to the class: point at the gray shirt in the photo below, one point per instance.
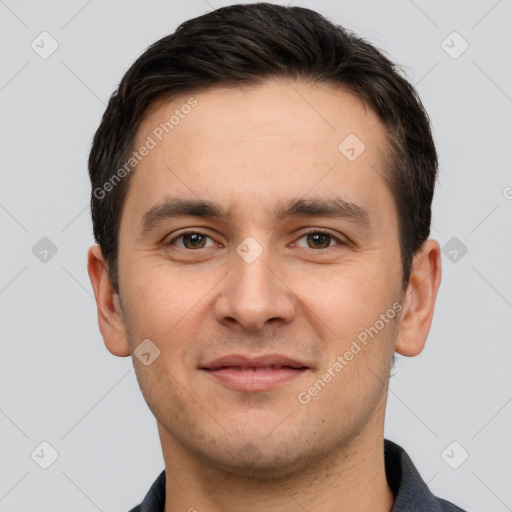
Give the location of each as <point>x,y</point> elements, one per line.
<point>410,491</point>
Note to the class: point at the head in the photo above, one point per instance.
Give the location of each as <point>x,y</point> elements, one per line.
<point>262,182</point>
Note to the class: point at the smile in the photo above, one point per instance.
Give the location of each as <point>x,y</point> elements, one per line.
<point>255,378</point>
<point>246,373</point>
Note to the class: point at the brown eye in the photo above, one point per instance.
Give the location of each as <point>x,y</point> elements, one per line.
<point>318,240</point>
<point>192,240</point>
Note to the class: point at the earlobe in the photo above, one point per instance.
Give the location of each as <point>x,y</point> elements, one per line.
<point>110,314</point>
<point>419,301</point>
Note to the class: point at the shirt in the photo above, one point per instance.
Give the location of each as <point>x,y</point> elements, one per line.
<point>410,491</point>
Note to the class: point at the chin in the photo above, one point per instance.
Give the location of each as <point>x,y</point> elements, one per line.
<point>263,469</point>
<point>262,460</point>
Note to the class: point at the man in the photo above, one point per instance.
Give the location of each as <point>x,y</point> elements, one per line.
<point>261,195</point>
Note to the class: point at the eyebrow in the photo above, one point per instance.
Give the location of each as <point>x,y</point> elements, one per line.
<point>173,207</point>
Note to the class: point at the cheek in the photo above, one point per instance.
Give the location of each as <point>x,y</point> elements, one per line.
<point>354,313</point>
<point>347,297</point>
<point>343,397</point>
<point>157,311</point>
<point>161,300</point>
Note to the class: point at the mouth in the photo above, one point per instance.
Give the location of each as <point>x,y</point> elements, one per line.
<point>262,373</point>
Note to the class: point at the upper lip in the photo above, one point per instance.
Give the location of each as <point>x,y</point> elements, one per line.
<point>267,360</point>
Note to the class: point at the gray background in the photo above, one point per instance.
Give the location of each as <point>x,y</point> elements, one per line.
<point>59,384</point>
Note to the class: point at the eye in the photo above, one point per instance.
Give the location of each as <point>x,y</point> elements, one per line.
<point>313,240</point>
<point>318,240</point>
<point>192,240</point>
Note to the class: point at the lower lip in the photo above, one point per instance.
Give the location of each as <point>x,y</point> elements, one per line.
<point>251,380</point>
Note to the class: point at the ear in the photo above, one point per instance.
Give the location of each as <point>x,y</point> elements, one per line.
<point>420,298</point>
<point>110,315</point>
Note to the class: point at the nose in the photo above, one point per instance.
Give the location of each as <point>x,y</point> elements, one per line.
<point>254,295</point>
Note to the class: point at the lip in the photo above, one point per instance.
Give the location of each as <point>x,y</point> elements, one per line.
<point>247,373</point>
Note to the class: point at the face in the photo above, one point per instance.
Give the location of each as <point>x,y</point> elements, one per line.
<point>254,251</point>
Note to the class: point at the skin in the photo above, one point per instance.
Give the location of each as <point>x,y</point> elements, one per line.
<point>250,148</point>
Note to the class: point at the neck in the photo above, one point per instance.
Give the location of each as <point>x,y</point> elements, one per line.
<point>352,477</point>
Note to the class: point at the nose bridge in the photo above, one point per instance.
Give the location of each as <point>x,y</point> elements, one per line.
<point>252,278</point>
<point>253,294</point>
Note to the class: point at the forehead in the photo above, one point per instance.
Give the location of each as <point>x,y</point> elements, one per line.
<point>249,145</point>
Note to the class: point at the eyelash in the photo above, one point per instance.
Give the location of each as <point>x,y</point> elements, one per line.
<point>312,232</point>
